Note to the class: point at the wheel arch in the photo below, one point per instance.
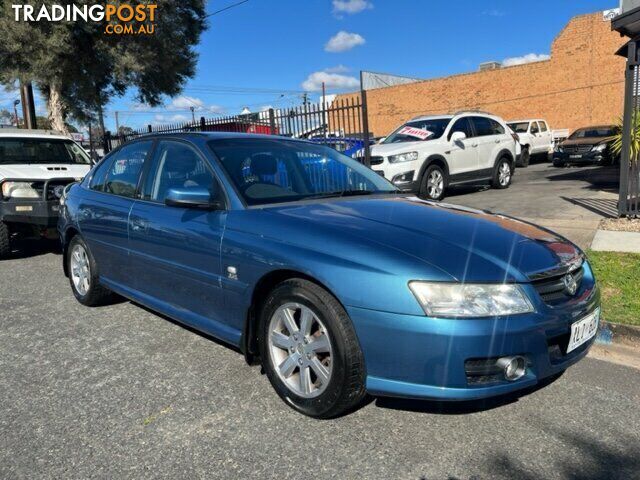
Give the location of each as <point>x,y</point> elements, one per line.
<point>249,339</point>
<point>69,233</point>
<point>502,154</point>
<point>434,159</point>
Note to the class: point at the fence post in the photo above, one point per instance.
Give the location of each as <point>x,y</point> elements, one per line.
<point>149,129</point>
<point>365,127</point>
<point>272,121</point>
<point>106,141</point>
<point>202,124</point>
<point>627,126</point>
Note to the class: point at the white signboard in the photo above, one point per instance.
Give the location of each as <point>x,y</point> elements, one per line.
<point>608,15</point>
<point>415,132</point>
<point>77,137</point>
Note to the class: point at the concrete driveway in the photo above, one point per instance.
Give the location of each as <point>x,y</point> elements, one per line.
<point>119,392</point>
<point>570,200</point>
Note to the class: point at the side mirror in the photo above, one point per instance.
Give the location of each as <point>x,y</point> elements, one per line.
<point>191,197</point>
<point>458,137</point>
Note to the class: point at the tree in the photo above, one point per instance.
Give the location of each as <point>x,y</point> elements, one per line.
<point>79,68</point>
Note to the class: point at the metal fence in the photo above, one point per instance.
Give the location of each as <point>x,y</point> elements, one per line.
<point>629,195</point>
<point>341,124</point>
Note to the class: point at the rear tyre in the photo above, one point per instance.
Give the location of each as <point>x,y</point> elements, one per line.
<point>558,163</point>
<point>433,184</point>
<point>525,157</point>
<point>310,351</point>
<point>5,241</point>
<point>83,275</point>
<point>503,174</point>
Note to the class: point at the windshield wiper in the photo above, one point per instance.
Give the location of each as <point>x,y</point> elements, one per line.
<point>351,193</point>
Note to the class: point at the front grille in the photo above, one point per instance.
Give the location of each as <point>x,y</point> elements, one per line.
<point>483,371</point>
<point>577,148</point>
<point>552,289</point>
<point>377,160</point>
<point>53,189</point>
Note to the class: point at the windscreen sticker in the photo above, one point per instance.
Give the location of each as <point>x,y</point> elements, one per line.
<point>415,132</point>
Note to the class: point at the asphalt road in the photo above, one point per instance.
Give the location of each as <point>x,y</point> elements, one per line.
<point>117,392</point>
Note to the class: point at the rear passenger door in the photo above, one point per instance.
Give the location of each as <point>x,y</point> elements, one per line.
<point>545,137</point>
<point>491,139</point>
<point>103,213</point>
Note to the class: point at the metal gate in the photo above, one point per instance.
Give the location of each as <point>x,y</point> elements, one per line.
<point>341,124</point>
<point>628,201</point>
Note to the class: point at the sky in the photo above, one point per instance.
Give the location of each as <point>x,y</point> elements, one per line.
<point>265,53</point>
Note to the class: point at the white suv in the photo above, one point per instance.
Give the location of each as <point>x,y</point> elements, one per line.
<point>429,153</point>
<point>534,137</point>
<point>35,166</point>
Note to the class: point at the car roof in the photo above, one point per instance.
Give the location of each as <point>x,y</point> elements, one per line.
<point>527,120</point>
<point>594,126</point>
<point>23,133</point>
<point>215,135</point>
<point>431,117</point>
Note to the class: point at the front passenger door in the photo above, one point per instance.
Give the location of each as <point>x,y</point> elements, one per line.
<point>175,251</point>
<point>464,153</point>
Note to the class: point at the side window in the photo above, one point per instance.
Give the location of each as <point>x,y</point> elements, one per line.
<point>543,126</point>
<point>124,172</point>
<point>534,127</point>
<point>100,174</point>
<point>483,126</point>
<point>496,128</point>
<point>175,165</point>
<point>462,125</point>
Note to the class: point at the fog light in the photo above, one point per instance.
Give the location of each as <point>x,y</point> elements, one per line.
<point>513,368</point>
<point>403,178</point>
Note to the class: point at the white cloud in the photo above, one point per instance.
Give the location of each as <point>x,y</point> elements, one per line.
<point>337,69</point>
<point>159,118</point>
<point>184,102</point>
<point>351,6</point>
<point>528,58</point>
<point>332,81</point>
<point>343,41</point>
<point>494,12</point>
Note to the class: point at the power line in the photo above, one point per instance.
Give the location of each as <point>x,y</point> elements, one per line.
<point>226,8</point>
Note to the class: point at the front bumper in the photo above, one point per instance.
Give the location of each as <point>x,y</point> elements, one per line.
<point>581,158</point>
<point>421,357</point>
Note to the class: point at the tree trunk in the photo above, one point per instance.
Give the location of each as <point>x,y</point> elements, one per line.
<point>57,110</point>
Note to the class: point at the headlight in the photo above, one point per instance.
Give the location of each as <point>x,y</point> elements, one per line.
<point>404,157</point>
<point>558,149</point>
<point>19,190</point>
<point>600,148</point>
<point>470,300</point>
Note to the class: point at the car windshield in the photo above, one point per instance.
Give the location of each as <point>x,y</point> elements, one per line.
<point>24,150</point>
<point>519,127</point>
<point>597,132</point>
<point>280,170</point>
<point>419,130</point>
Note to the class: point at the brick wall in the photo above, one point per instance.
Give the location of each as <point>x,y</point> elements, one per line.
<point>582,84</point>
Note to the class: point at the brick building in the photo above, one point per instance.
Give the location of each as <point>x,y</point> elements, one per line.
<point>581,84</point>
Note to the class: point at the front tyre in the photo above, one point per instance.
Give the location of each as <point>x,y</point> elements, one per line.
<point>83,275</point>
<point>503,174</point>
<point>5,241</point>
<point>433,184</point>
<point>310,351</point>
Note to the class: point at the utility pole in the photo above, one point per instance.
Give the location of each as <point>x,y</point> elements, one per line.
<point>193,115</point>
<point>28,106</point>
<point>15,112</point>
<point>117,124</point>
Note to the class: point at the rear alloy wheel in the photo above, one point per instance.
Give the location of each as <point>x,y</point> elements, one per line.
<point>503,174</point>
<point>5,241</point>
<point>433,183</point>
<point>83,275</point>
<point>310,351</point>
<point>525,157</point>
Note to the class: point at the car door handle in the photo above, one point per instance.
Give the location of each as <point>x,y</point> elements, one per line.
<point>139,225</point>
<point>474,145</point>
<point>497,140</point>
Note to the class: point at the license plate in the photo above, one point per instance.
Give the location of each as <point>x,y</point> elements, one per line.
<point>575,156</point>
<point>583,330</point>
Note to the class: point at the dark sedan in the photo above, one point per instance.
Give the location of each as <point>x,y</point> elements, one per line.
<point>590,145</point>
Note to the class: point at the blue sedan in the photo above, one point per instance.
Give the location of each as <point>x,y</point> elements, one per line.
<point>318,268</point>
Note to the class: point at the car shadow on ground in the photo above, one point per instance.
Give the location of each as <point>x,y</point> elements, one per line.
<point>459,408</point>
<point>27,248</point>
<point>603,178</point>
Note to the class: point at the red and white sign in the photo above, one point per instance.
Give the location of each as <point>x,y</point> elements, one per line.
<point>415,132</point>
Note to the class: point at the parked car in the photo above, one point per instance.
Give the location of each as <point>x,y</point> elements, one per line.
<point>535,137</point>
<point>587,146</point>
<point>35,165</point>
<point>341,285</point>
<point>428,154</point>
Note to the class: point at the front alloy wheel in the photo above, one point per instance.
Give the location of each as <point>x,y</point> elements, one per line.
<point>300,350</point>
<point>83,275</point>
<point>80,270</point>
<point>433,183</point>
